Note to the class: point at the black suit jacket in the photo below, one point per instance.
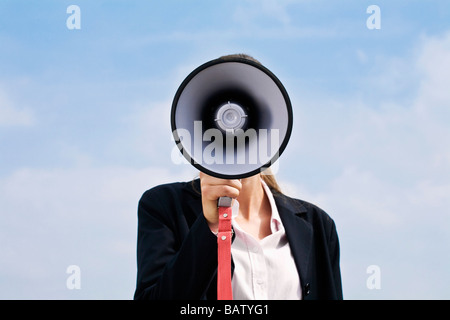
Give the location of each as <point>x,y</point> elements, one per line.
<point>177,252</point>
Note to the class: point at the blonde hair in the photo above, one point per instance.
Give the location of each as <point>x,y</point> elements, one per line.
<point>269,178</point>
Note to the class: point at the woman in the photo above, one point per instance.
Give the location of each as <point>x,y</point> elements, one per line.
<point>283,248</point>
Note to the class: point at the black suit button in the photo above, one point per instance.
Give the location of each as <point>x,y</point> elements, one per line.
<point>307,289</point>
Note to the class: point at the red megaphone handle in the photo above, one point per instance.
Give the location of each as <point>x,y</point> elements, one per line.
<point>224,291</point>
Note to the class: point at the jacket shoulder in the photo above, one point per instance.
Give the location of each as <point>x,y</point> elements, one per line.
<point>167,201</point>
<point>174,190</point>
<point>310,212</point>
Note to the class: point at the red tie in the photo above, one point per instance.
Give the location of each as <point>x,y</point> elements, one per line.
<point>224,291</point>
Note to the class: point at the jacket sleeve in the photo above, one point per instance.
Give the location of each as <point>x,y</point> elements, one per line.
<point>173,261</point>
<point>334,250</point>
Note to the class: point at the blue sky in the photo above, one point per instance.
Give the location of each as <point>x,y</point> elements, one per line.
<point>84,131</point>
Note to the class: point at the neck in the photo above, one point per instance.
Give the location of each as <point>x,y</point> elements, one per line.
<point>252,197</point>
<point>254,208</point>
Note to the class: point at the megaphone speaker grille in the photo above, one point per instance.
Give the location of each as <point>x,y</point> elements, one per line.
<point>230,116</point>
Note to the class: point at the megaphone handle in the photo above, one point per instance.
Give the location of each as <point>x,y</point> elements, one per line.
<point>224,290</point>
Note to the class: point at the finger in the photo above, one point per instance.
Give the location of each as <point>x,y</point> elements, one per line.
<point>213,192</point>
<point>213,181</point>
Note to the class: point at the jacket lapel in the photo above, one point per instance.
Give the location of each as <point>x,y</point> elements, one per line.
<point>298,231</point>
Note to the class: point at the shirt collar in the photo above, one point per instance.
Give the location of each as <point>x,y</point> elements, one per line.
<point>275,221</point>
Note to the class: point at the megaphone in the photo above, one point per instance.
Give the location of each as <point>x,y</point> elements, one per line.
<point>231,117</point>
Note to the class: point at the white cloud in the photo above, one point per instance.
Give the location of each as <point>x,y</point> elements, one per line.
<point>11,115</point>
<point>85,216</point>
<point>433,99</point>
<point>271,19</point>
<point>388,191</point>
<point>252,10</point>
<point>250,19</point>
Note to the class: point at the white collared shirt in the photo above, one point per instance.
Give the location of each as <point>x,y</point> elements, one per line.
<point>264,269</point>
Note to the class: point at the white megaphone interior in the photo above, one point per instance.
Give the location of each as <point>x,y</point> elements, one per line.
<point>269,101</point>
